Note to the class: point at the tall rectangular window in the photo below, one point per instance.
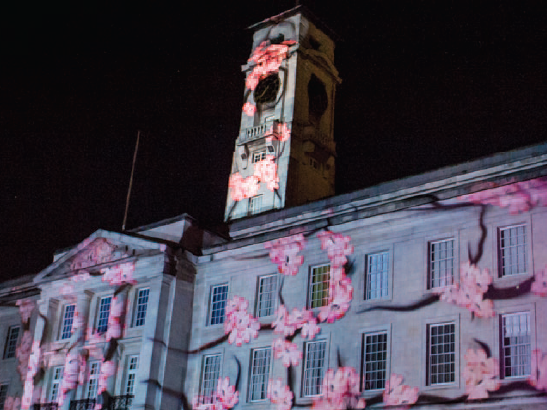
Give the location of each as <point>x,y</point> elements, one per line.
<point>210,373</point>
<point>441,263</point>
<point>374,360</point>
<point>219,295</point>
<point>142,305</point>
<point>255,204</point>
<point>319,286</point>
<point>3,394</point>
<point>68,319</point>
<point>314,368</point>
<point>132,368</point>
<point>512,250</point>
<point>11,342</point>
<point>515,344</point>
<point>55,383</point>
<point>104,312</point>
<point>267,295</point>
<point>376,286</point>
<point>441,355</point>
<point>93,379</point>
<point>260,373</point>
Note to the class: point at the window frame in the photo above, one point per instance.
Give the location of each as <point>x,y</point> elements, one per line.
<point>131,372</point>
<point>98,317</point>
<point>454,240</point>
<point>259,295</point>
<point>499,345</point>
<point>202,380</point>
<point>136,317</point>
<point>4,390</point>
<point>92,379</point>
<point>251,208</point>
<point>55,381</point>
<point>527,248</point>
<point>371,332</point>
<point>389,275</point>
<point>64,319</point>
<point>260,154</point>
<point>210,309</point>
<point>251,374</point>
<point>310,291</point>
<point>10,345</point>
<point>429,353</point>
<point>305,366</point>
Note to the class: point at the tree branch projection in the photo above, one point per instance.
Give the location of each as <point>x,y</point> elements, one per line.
<point>340,388</point>
<point>82,346</point>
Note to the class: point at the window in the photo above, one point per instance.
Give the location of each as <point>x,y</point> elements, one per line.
<point>441,263</point>
<point>104,312</point>
<point>267,295</point>
<point>132,368</point>
<point>259,156</point>
<point>57,378</point>
<point>210,374</point>
<point>3,394</point>
<point>376,286</point>
<point>319,286</point>
<point>255,204</point>
<point>68,319</point>
<point>93,379</point>
<point>441,357</point>
<point>515,344</point>
<point>11,342</point>
<point>314,368</point>
<point>260,373</point>
<point>142,304</point>
<point>219,295</point>
<point>374,360</point>
<point>512,250</point>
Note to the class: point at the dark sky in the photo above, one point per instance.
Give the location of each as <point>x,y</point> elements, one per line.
<point>425,84</point>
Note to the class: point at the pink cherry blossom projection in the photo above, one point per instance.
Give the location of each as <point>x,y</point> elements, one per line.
<point>538,376</point>
<point>340,390</point>
<point>108,369</point>
<point>119,274</point>
<point>284,252</point>
<point>249,109</point>
<point>280,394</point>
<point>70,375</point>
<point>539,286</point>
<point>469,292</point>
<point>33,366</point>
<point>81,277</point>
<point>241,188</point>
<point>340,296</point>
<point>480,374</point>
<point>239,324</point>
<point>337,245</point>
<point>287,324</point>
<point>22,352</point>
<point>267,59</point>
<point>117,312</point>
<point>225,397</point>
<point>12,403</point>
<point>286,351</point>
<point>266,171</point>
<point>518,197</point>
<point>395,393</point>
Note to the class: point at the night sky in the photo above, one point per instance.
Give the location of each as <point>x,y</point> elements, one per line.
<point>425,84</point>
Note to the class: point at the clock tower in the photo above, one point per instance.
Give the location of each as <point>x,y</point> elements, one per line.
<point>284,154</point>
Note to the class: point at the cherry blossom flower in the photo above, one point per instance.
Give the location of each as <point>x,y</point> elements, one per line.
<point>226,394</point>
<point>337,246</point>
<point>114,329</point>
<point>70,374</point>
<point>242,188</point>
<point>538,377</point>
<point>280,394</point>
<point>26,306</point>
<point>539,286</point>
<point>340,390</point>
<point>479,374</point>
<point>239,324</point>
<point>249,109</point>
<point>119,274</point>
<point>282,131</point>
<point>286,351</point>
<point>470,291</point>
<point>12,403</point>
<point>395,393</point>
<point>518,197</point>
<point>340,296</point>
<point>267,58</point>
<point>81,277</point>
<point>284,252</point>
<point>310,329</point>
<point>251,186</point>
<point>266,171</point>
<point>282,324</point>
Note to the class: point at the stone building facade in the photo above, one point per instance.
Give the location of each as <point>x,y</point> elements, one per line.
<point>429,291</point>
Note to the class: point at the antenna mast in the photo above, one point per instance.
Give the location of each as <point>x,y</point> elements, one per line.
<point>131,180</point>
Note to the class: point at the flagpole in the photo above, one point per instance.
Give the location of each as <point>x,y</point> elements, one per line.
<point>131,180</point>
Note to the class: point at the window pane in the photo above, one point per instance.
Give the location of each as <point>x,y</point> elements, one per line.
<point>267,293</point>
<point>142,304</point>
<point>132,368</point>
<point>68,319</point>
<point>104,312</point>
<point>93,379</point>
<point>377,276</point>
<point>3,394</point>
<point>11,342</point>
<point>319,286</point>
<point>441,263</point>
<point>314,368</point>
<point>210,375</point>
<point>516,344</point>
<point>374,360</point>
<point>260,374</point>
<point>442,353</point>
<point>219,295</point>
<point>512,243</point>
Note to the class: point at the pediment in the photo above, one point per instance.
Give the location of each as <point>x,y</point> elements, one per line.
<point>99,251</point>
